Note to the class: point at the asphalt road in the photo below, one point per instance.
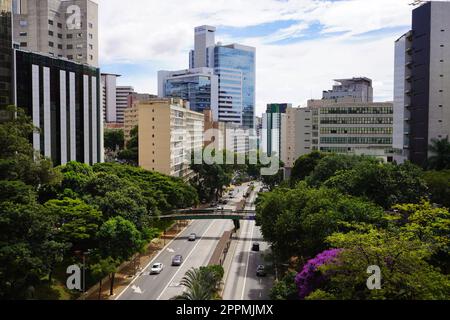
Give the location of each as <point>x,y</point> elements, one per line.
<point>166,285</point>
<point>242,282</point>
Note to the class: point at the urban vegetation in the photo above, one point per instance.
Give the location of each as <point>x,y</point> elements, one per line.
<point>202,284</point>
<point>51,217</point>
<point>341,214</point>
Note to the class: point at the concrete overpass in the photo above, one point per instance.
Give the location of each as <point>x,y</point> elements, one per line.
<point>209,214</point>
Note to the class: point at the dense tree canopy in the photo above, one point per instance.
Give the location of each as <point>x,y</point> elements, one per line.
<point>439,158</point>
<point>438,183</point>
<point>305,165</point>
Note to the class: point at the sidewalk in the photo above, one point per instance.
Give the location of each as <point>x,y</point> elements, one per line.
<point>132,268</point>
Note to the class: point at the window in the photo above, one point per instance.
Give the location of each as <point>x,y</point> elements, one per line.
<point>50,32</point>
<point>91,36</point>
<point>69,46</point>
<point>59,25</point>
<point>52,54</point>
<point>79,46</point>
<point>59,35</point>
<point>442,46</point>
<point>91,25</point>
<point>23,23</point>
<point>70,36</point>
<point>79,56</point>
<point>24,44</point>
<point>50,22</point>
<point>91,57</point>
<point>23,34</point>
<point>79,35</point>
<point>60,46</point>
<point>91,47</point>
<point>70,57</point>
<point>51,44</point>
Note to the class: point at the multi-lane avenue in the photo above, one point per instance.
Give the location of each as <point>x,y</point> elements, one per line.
<point>197,253</point>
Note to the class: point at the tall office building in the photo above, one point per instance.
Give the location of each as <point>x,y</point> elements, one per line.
<point>234,67</point>
<point>347,90</point>
<point>422,111</point>
<point>122,97</point>
<point>63,100</point>
<point>199,86</point>
<point>273,129</point>
<point>109,103</point>
<point>6,54</point>
<point>61,28</point>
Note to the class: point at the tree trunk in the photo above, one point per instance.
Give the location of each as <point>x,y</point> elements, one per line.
<point>100,290</point>
<point>111,289</point>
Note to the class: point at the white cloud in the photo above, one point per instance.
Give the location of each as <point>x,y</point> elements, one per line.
<point>160,32</point>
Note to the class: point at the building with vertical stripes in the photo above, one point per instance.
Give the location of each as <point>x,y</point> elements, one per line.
<point>63,99</point>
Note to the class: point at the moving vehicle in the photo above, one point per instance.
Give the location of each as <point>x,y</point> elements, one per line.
<point>156,268</point>
<point>192,237</point>
<point>177,260</point>
<point>261,271</point>
<point>255,247</point>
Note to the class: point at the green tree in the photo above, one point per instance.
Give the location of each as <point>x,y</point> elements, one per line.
<point>27,249</point>
<point>406,275</point>
<point>131,153</point>
<point>305,165</point>
<point>18,160</point>
<point>285,289</point>
<point>202,283</point>
<point>76,221</point>
<point>383,183</point>
<point>438,183</point>
<point>328,166</point>
<point>297,221</point>
<point>114,139</point>
<point>118,239</point>
<point>101,269</point>
<point>440,154</point>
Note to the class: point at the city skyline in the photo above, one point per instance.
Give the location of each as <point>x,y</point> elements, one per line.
<point>282,32</point>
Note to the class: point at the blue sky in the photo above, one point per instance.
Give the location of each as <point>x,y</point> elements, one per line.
<point>302,45</point>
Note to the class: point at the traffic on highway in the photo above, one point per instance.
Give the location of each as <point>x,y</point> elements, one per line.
<point>245,273</point>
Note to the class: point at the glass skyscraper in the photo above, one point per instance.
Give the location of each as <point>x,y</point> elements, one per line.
<point>198,86</point>
<point>235,66</point>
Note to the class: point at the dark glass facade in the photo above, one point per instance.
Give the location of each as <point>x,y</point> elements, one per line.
<point>195,89</point>
<point>6,54</point>
<point>420,93</point>
<point>24,73</point>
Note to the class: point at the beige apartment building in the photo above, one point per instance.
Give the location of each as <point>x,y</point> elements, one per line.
<point>215,132</point>
<point>298,134</point>
<point>62,29</point>
<point>168,132</point>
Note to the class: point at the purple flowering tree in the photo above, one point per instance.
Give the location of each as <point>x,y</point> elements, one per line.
<point>309,279</point>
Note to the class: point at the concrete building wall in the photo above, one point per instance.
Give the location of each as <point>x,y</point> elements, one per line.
<point>64,29</point>
<point>299,132</point>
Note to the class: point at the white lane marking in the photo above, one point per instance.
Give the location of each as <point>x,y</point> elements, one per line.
<point>151,262</point>
<point>187,258</point>
<point>137,290</point>
<point>170,250</point>
<point>248,261</point>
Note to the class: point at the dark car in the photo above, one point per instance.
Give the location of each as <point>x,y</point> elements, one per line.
<point>261,271</point>
<point>177,260</point>
<point>255,247</point>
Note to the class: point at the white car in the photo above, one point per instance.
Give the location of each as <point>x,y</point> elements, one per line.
<point>156,268</point>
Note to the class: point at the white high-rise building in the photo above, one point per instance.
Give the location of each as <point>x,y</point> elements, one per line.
<point>109,104</point>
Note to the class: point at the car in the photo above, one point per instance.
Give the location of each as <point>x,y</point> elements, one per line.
<point>255,247</point>
<point>177,260</point>
<point>192,237</point>
<point>156,268</point>
<point>261,271</point>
